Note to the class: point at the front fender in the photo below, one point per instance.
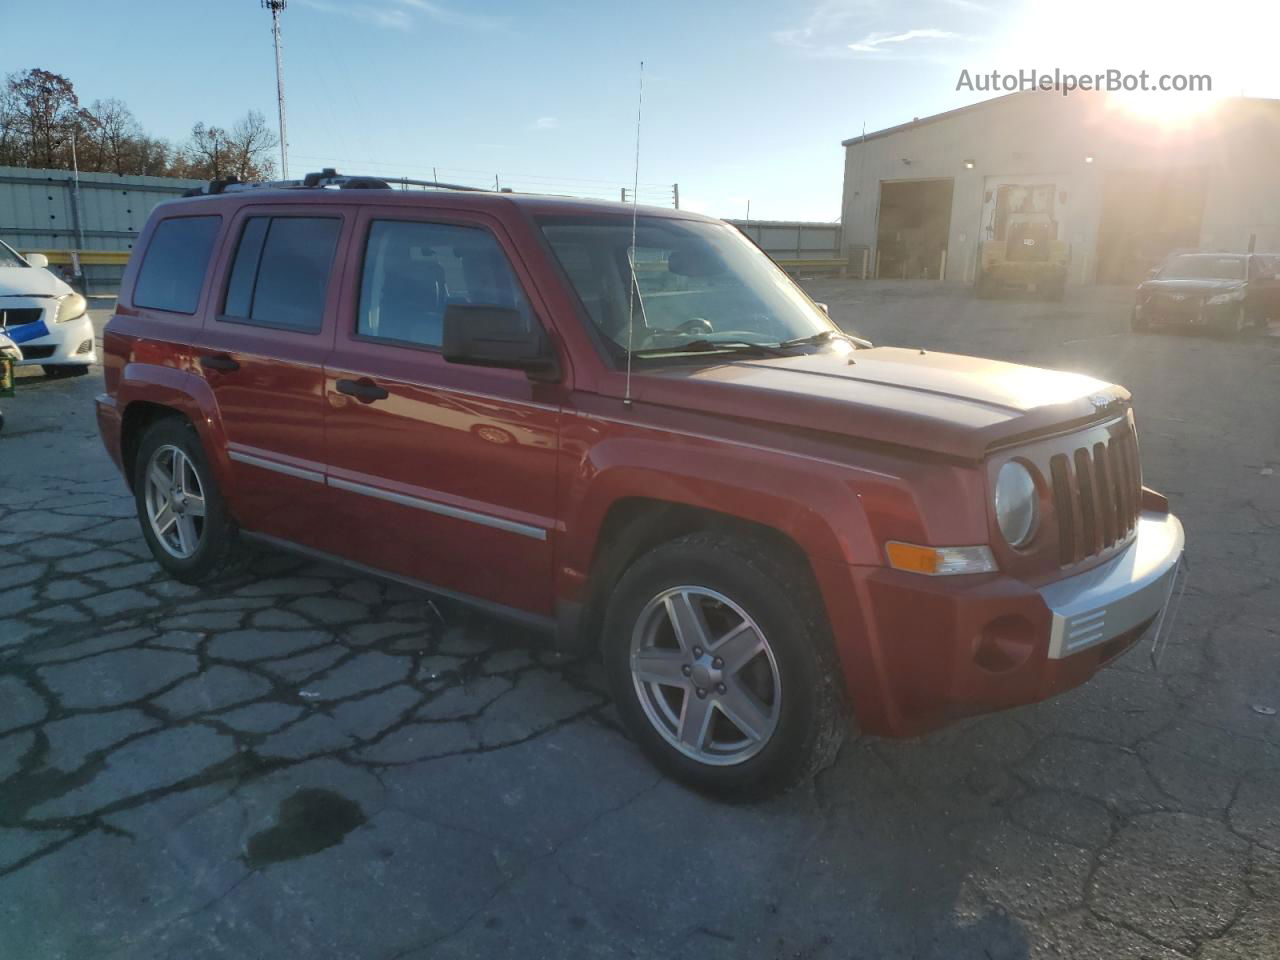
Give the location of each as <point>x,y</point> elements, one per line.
<point>831,510</point>
<point>818,506</point>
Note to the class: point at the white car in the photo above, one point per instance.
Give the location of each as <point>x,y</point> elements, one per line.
<point>44,316</point>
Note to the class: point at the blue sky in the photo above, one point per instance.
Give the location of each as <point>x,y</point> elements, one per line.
<point>744,100</point>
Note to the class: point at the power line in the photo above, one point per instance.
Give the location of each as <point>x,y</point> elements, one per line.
<point>666,194</point>
<point>401,164</point>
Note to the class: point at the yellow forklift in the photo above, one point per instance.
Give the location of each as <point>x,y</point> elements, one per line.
<point>1022,250</point>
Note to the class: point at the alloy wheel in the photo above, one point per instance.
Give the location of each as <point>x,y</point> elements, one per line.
<point>175,501</point>
<point>705,675</point>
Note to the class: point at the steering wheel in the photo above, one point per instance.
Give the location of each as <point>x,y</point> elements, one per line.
<point>695,325</point>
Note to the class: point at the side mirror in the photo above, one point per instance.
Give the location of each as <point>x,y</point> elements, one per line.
<point>37,259</point>
<point>496,337</point>
<point>823,307</point>
<point>1153,273</point>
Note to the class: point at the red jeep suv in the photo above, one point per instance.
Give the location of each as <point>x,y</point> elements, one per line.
<point>632,429</point>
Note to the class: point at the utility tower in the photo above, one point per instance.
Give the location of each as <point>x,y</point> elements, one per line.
<point>276,6</point>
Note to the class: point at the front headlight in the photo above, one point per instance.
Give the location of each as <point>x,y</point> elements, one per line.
<point>1221,298</point>
<point>1016,503</point>
<point>70,307</point>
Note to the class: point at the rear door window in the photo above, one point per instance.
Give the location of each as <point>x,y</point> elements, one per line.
<point>281,272</point>
<point>174,266</point>
<point>412,271</point>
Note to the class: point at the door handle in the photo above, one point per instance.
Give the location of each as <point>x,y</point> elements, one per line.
<point>220,362</point>
<point>364,390</point>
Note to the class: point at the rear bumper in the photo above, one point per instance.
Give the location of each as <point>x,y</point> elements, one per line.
<point>919,652</point>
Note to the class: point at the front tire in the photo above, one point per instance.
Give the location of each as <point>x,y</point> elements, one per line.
<point>721,665</point>
<point>183,516</point>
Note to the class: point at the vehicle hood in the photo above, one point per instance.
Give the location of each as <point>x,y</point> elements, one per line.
<point>1190,286</point>
<point>950,404</point>
<point>30,282</point>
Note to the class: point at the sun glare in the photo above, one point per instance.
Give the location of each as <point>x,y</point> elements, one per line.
<point>1170,111</point>
<point>1233,45</point>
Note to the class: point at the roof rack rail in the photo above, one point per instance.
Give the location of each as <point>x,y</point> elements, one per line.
<point>328,177</point>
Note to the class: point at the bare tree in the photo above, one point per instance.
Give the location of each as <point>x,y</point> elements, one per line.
<point>112,139</point>
<point>243,152</point>
<point>12,143</point>
<point>41,119</point>
<point>251,143</point>
<point>151,157</point>
<point>45,110</point>
<point>206,156</point>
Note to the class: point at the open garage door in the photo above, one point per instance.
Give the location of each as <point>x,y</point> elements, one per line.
<point>1146,215</point>
<point>912,228</point>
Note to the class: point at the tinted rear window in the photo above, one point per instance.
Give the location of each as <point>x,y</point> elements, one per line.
<point>281,272</point>
<point>175,263</point>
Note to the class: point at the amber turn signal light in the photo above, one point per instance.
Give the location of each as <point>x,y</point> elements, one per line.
<point>939,561</point>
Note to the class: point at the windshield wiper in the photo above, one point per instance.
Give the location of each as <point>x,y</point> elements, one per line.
<point>716,346</point>
<point>822,336</point>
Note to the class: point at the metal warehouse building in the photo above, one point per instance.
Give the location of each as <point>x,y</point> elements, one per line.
<point>55,211</point>
<point>1122,190</point>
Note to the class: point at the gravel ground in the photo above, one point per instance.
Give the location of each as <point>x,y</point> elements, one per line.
<point>304,763</point>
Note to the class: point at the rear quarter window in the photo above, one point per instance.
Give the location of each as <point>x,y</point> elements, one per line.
<point>175,263</point>
<point>281,272</point>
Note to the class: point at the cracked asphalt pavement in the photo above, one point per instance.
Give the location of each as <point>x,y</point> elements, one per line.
<point>303,762</point>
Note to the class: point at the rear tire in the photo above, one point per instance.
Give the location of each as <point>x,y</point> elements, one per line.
<point>754,641</point>
<point>183,516</point>
<point>60,371</point>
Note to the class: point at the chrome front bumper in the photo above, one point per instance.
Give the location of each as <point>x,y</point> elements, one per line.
<point>1102,603</point>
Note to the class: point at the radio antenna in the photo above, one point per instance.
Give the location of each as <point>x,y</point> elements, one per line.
<point>631,252</point>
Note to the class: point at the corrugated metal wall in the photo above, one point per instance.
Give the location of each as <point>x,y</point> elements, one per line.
<point>794,239</point>
<point>39,211</point>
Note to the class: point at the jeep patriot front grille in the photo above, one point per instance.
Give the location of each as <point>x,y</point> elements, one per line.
<point>1097,494</point>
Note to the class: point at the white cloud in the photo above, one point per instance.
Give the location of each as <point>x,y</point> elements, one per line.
<point>969,6</point>
<point>825,32</point>
<point>404,14</point>
<point>389,17</point>
<point>873,42</point>
<point>454,18</point>
<point>816,37</point>
<point>546,123</point>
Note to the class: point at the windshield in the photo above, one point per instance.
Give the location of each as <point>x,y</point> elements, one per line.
<point>701,285</point>
<point>1203,268</point>
<point>8,258</point>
